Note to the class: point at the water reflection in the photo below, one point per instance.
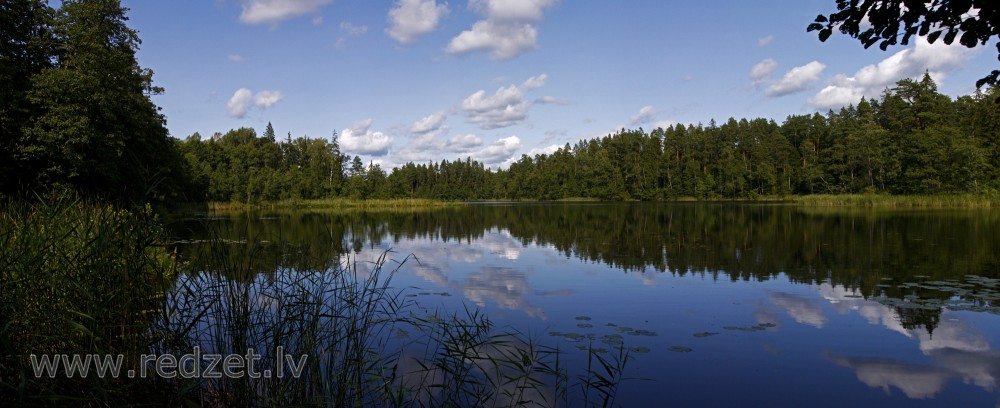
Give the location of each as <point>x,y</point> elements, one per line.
<point>886,294</point>
<point>956,349</point>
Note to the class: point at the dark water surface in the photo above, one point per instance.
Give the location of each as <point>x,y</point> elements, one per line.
<point>720,304</point>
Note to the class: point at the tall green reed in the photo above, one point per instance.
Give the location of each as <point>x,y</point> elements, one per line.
<point>77,278</point>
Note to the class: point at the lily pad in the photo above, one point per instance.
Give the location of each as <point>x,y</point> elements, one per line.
<point>639,349</point>
<point>704,334</point>
<point>680,349</point>
<point>583,318</point>
<point>584,325</point>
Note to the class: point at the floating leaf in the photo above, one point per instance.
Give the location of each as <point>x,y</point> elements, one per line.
<point>704,334</point>
<point>639,349</point>
<point>680,349</point>
<point>583,318</point>
<point>584,325</point>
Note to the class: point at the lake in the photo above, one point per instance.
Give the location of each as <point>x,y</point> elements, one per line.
<point>722,304</point>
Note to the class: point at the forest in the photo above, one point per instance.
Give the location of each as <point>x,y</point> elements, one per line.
<point>76,115</point>
<point>913,140</point>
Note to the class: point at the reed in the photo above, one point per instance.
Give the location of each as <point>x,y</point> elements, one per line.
<point>83,278</point>
<point>77,278</point>
<point>899,201</point>
<point>337,203</point>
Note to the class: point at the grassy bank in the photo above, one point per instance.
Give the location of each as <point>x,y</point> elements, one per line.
<point>337,203</point>
<point>898,201</point>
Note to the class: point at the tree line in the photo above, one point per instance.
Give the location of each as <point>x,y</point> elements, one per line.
<point>913,140</point>
<point>76,114</point>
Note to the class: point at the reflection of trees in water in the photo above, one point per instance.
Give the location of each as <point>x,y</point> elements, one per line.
<point>857,249</point>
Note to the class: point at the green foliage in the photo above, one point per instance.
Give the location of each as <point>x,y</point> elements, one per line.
<point>913,140</point>
<point>77,278</point>
<point>78,112</point>
<point>891,22</point>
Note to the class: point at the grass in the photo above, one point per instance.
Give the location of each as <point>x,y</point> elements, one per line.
<point>898,201</point>
<point>79,278</point>
<point>339,203</point>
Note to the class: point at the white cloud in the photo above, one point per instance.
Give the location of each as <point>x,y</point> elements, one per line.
<point>235,58</point>
<point>508,30</point>
<point>353,29</point>
<point>276,11</point>
<point>506,107</point>
<point>410,19</point>
<point>265,99</point>
<point>762,70</point>
<point>762,41</point>
<point>796,79</point>
<point>938,59</point>
<point>243,99</point>
<point>463,143</point>
<point>429,123</point>
<point>552,100</point>
<point>645,115</point>
<point>239,103</point>
<point>531,153</point>
<point>498,151</point>
<point>359,139</point>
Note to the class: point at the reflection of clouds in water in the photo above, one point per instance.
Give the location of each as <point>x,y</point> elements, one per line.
<point>431,274</point>
<point>764,316</point>
<point>505,286</point>
<point>955,349</point>
<point>502,244</point>
<point>803,310</point>
<point>844,301</point>
<point>981,368</point>
<point>950,334</point>
<point>915,381</point>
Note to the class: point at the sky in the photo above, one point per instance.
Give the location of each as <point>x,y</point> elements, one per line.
<point>424,80</point>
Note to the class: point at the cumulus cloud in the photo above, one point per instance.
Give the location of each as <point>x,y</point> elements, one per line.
<point>360,139</point>
<point>796,79</point>
<point>506,107</point>
<point>410,19</point>
<point>531,153</point>
<point>265,99</point>
<point>762,41</point>
<point>498,151</point>
<point>645,115</point>
<point>762,70</point>
<point>429,123</point>
<point>507,31</point>
<point>938,59</point>
<point>235,58</point>
<point>243,99</point>
<point>276,11</point>
<point>463,143</point>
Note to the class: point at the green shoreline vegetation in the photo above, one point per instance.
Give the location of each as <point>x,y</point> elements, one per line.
<point>85,266</point>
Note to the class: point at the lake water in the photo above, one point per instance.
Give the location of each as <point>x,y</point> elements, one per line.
<point>720,304</point>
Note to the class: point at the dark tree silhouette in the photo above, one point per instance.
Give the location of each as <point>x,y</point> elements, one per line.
<point>891,22</point>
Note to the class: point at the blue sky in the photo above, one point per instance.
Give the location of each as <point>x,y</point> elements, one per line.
<point>421,80</point>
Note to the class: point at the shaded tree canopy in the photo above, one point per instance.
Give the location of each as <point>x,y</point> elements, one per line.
<point>891,22</point>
